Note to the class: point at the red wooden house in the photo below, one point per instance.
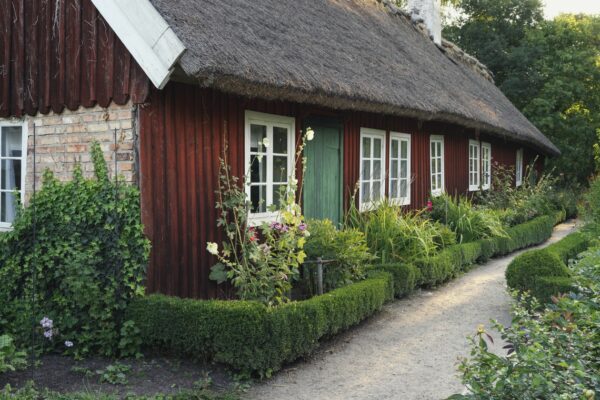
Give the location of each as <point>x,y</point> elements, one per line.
<point>398,112</point>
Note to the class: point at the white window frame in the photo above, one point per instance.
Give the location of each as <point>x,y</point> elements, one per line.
<point>269,120</point>
<point>5,226</point>
<point>519,167</point>
<point>486,166</point>
<point>437,191</point>
<point>400,137</point>
<point>373,134</point>
<point>474,160</point>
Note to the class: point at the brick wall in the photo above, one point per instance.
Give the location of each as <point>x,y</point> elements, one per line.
<point>63,140</point>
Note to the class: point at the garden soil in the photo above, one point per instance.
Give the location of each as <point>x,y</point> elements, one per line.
<point>411,349</point>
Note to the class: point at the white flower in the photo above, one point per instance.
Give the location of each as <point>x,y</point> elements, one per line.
<point>306,233</point>
<point>212,248</point>
<point>68,343</point>
<point>293,181</point>
<point>266,142</point>
<point>310,134</point>
<point>259,157</point>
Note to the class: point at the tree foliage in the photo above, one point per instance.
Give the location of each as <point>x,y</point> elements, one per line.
<point>549,69</point>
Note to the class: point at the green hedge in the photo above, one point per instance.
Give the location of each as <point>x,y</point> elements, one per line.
<point>454,259</point>
<point>405,277</point>
<point>543,272</point>
<point>249,336</point>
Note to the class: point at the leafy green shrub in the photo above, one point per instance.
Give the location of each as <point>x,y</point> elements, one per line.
<point>248,335</point>
<point>467,222</point>
<point>347,247</point>
<point>524,235</point>
<point>10,358</point>
<point>405,277</point>
<point>528,272</point>
<point>591,202</point>
<point>86,264</point>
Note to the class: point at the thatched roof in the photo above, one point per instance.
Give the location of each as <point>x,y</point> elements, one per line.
<point>345,54</point>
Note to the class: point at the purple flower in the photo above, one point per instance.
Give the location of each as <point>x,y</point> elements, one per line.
<point>48,334</point>
<point>302,227</point>
<point>68,343</point>
<point>46,323</point>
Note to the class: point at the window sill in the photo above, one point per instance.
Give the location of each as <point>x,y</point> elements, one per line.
<point>437,193</point>
<point>405,201</point>
<point>260,218</point>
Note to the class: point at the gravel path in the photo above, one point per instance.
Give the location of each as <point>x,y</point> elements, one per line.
<point>407,351</point>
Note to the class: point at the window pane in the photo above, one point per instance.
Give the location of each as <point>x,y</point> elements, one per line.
<point>280,140</point>
<point>280,173</point>
<point>10,178</point>
<point>257,134</point>
<point>394,189</point>
<point>366,142</point>
<point>366,192</point>
<point>377,148</point>
<point>8,207</point>
<point>432,149</point>
<point>404,169</point>
<point>278,193</point>
<point>258,169</point>
<point>404,149</point>
<point>403,188</point>
<point>366,170</point>
<point>258,198</point>
<point>377,169</point>
<point>439,181</point>
<point>11,141</point>
<point>376,190</point>
<point>394,149</point>
<point>394,169</point>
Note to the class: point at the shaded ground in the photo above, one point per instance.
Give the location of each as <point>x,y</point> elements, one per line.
<point>409,350</point>
<point>146,376</point>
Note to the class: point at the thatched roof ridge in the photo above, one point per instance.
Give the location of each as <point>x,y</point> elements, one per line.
<point>345,54</point>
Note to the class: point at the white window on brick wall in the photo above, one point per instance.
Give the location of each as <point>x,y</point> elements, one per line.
<point>372,167</point>
<point>486,166</point>
<point>436,156</point>
<point>269,157</point>
<point>474,165</point>
<point>399,169</point>
<point>13,158</point>
<point>519,168</point>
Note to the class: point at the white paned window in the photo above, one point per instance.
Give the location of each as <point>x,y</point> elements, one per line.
<point>399,168</point>
<point>486,166</point>
<point>269,157</point>
<point>372,167</point>
<point>436,149</point>
<point>13,157</point>
<point>519,168</point>
<point>474,165</point>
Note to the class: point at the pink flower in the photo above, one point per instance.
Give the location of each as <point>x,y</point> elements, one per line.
<point>429,205</point>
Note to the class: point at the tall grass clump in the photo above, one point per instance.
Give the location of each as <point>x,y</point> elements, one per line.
<point>395,235</point>
<point>468,222</point>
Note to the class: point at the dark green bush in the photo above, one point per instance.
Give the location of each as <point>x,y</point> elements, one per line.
<point>347,247</point>
<point>250,336</point>
<point>404,275</point>
<point>527,234</point>
<point>86,264</point>
<point>569,246</point>
<point>529,272</point>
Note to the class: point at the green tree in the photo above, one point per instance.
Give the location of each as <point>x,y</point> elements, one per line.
<point>549,69</point>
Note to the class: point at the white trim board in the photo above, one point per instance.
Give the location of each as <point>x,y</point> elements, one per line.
<point>145,34</point>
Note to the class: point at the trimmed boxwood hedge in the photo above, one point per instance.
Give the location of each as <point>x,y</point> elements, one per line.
<point>454,259</point>
<point>249,336</point>
<point>544,272</point>
<point>405,277</point>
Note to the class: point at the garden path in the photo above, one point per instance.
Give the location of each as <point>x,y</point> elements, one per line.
<point>410,349</point>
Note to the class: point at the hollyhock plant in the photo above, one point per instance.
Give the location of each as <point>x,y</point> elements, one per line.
<point>260,261</point>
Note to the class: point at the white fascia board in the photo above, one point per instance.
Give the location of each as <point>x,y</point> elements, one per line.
<point>145,34</point>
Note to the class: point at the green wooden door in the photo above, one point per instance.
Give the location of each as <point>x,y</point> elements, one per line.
<point>323,179</point>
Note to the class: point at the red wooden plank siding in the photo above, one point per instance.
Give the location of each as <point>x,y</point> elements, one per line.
<point>183,130</point>
<point>57,53</point>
